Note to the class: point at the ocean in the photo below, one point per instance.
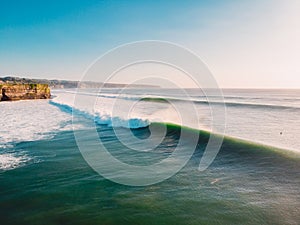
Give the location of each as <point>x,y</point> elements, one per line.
<point>47,176</point>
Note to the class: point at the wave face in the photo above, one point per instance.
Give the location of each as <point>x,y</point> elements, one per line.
<point>269,117</point>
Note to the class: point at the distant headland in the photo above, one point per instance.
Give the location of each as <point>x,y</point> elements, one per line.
<point>58,84</point>
<point>16,88</point>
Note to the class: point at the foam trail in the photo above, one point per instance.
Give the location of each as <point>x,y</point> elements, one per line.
<point>29,121</point>
<point>10,161</point>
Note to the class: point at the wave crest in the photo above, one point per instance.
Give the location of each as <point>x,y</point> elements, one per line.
<point>102,118</point>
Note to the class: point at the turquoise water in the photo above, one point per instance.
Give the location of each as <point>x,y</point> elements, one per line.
<point>247,183</point>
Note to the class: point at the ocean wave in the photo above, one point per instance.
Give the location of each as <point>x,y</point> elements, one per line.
<point>233,140</point>
<point>227,103</point>
<point>146,113</point>
<point>104,119</point>
<point>194,99</point>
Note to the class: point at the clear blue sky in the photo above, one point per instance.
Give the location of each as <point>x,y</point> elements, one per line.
<point>245,43</point>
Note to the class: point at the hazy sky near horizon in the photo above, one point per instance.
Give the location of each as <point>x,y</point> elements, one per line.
<point>246,44</point>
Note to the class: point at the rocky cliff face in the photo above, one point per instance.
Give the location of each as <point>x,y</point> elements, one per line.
<point>13,92</point>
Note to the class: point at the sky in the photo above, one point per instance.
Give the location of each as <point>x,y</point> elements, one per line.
<point>245,44</point>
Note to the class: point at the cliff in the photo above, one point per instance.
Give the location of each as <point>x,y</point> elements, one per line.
<point>13,92</point>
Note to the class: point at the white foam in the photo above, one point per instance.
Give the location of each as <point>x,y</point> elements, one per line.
<point>29,121</point>
<point>10,161</point>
